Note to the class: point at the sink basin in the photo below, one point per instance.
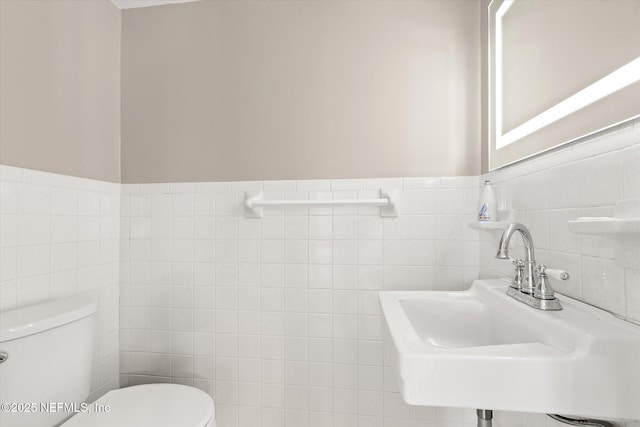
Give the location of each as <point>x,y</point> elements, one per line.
<point>482,349</point>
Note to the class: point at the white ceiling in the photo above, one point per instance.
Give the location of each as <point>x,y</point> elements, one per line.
<point>130,4</point>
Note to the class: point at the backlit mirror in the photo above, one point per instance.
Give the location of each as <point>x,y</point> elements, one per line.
<point>559,70</point>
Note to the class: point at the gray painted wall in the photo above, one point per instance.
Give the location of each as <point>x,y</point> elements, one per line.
<point>60,87</point>
<point>219,91</point>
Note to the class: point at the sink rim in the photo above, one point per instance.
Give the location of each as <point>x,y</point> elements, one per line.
<point>599,378</point>
<point>405,333</point>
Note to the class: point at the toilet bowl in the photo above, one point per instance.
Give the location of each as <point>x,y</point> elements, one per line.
<point>47,352</point>
<point>150,405</point>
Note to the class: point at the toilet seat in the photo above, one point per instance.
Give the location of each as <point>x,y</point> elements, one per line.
<point>150,405</point>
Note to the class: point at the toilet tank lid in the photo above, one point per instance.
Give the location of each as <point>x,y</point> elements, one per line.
<point>32,319</point>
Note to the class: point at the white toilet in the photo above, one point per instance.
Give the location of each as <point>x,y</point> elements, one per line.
<point>46,353</point>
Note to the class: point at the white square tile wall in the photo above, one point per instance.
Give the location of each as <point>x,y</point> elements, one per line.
<point>278,318</point>
<point>584,179</point>
<point>59,236</point>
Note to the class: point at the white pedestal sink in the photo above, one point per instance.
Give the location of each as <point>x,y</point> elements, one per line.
<point>482,349</point>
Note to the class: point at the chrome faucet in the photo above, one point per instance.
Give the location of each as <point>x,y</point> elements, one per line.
<point>528,282</point>
<point>525,286</point>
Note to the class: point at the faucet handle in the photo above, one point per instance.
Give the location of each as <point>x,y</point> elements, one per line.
<point>518,277</point>
<point>556,274</point>
<point>543,288</point>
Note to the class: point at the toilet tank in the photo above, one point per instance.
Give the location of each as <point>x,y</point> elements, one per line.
<point>46,374</point>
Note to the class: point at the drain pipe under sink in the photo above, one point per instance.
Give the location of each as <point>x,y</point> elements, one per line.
<point>485,417</point>
<point>581,421</point>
